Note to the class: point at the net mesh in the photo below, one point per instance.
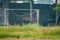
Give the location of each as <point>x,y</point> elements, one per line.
<point>20,16</point>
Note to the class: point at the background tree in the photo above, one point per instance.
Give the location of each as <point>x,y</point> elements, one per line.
<point>57,8</point>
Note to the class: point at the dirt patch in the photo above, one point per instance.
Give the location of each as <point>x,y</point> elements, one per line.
<point>27,39</point>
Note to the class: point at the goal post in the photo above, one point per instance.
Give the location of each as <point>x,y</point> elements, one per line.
<point>27,15</point>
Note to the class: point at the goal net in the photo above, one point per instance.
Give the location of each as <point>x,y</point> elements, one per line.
<point>20,16</point>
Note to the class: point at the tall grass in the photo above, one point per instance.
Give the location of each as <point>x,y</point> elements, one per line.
<point>29,31</point>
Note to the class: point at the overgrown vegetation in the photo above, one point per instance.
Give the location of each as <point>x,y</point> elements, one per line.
<point>30,31</point>
<point>57,8</point>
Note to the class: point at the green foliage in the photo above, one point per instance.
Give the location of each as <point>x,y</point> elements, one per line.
<point>4,35</point>
<point>57,8</point>
<point>58,5</point>
<point>30,31</point>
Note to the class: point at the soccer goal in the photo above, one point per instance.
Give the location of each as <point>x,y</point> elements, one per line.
<point>20,16</point>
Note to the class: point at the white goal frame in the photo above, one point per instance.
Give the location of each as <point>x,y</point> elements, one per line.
<point>6,15</point>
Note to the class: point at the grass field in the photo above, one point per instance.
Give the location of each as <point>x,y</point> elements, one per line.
<point>30,31</point>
